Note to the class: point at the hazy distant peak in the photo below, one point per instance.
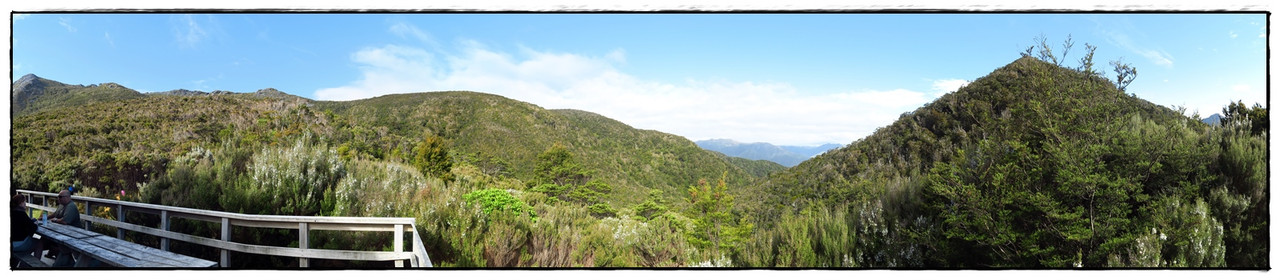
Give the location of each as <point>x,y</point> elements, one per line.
<point>1213,119</point>
<point>784,155</point>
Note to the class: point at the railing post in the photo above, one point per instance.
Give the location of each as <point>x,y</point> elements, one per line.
<point>302,243</point>
<point>398,244</point>
<point>29,210</point>
<point>226,237</point>
<point>120,217</point>
<point>164,225</point>
<point>88,210</point>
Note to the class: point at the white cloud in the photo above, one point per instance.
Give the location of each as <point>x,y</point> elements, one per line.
<point>1232,34</point>
<point>945,86</point>
<point>66,22</point>
<point>187,32</point>
<point>17,17</point>
<point>109,40</point>
<point>386,70</point>
<point>405,30</point>
<point>697,109</point>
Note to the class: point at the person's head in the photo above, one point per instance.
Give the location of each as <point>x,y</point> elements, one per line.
<point>64,197</point>
<point>19,201</point>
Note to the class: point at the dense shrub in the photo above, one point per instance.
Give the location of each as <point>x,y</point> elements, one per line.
<point>295,180</point>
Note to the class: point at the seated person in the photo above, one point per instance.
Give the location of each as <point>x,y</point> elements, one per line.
<point>66,214</point>
<point>22,228</point>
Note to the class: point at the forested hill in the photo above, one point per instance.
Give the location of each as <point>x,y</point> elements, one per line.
<point>447,158</point>
<point>1033,165</point>
<point>96,124</point>
<point>510,133</point>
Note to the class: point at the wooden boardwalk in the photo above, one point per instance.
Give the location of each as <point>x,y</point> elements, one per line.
<point>415,256</point>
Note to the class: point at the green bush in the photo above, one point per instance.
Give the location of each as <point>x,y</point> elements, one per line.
<point>452,229</point>
<point>556,236</point>
<point>432,158</point>
<point>499,202</point>
<point>294,180</point>
<point>660,242</point>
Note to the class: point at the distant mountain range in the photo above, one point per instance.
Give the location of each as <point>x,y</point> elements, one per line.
<point>785,155</point>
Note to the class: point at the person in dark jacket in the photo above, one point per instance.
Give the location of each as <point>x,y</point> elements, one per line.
<point>21,228</point>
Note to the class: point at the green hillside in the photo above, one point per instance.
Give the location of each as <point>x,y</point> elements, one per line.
<point>31,94</point>
<point>117,144</point>
<point>1033,165</point>
<point>447,158</point>
<point>484,126</point>
<point>758,168</point>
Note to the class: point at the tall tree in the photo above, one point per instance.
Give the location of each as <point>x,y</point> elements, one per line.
<point>1255,117</point>
<point>431,157</point>
<point>560,177</point>
<point>1125,73</point>
<point>714,226</point>
<point>1086,61</point>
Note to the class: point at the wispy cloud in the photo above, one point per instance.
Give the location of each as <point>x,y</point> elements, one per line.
<point>187,32</point>
<point>697,109</point>
<point>17,17</point>
<point>107,35</point>
<point>1120,38</point>
<point>1232,34</point>
<point>405,30</point>
<point>1158,57</point>
<point>66,23</point>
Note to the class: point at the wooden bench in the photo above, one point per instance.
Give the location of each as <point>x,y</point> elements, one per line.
<point>88,246</point>
<point>27,261</point>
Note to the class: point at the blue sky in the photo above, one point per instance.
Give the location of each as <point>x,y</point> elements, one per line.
<point>792,79</point>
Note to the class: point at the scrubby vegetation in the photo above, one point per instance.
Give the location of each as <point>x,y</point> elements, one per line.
<point>464,176</point>
<point>1033,165</point>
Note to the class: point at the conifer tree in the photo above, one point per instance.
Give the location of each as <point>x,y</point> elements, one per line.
<point>431,157</point>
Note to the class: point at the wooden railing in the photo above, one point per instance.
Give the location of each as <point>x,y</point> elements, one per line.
<point>416,257</point>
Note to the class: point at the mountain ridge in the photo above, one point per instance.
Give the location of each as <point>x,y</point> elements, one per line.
<point>1033,165</point>
<point>31,93</point>
<point>787,156</point>
<point>479,126</point>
